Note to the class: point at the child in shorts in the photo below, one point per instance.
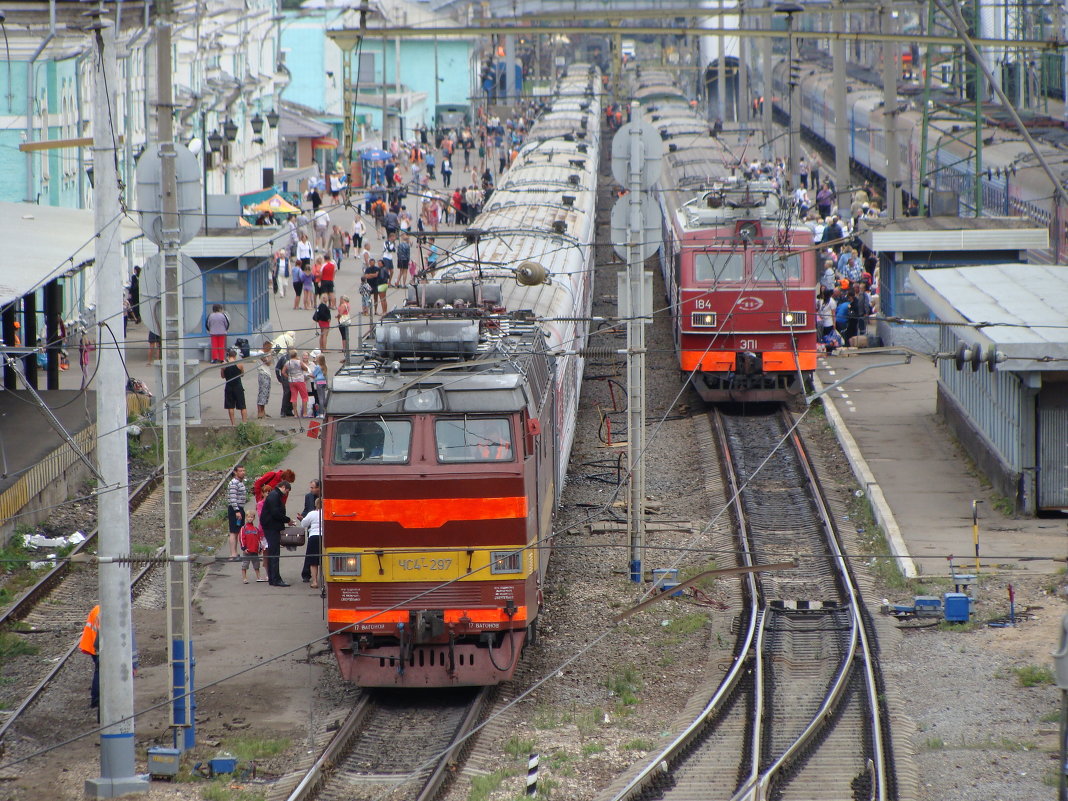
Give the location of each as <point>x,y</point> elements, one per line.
<point>250,548</point>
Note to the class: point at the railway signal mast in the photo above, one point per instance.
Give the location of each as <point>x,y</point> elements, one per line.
<point>637,152</point>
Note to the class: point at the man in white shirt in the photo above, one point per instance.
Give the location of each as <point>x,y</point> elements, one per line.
<point>321,223</point>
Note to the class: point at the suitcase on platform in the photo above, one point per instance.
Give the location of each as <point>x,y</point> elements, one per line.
<point>292,537</point>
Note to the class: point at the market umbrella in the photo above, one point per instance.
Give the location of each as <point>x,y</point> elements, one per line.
<point>276,203</point>
<point>375,155</point>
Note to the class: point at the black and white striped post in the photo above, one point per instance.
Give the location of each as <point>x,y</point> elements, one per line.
<point>532,775</point>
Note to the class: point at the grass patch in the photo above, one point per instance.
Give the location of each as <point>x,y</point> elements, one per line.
<point>223,790</point>
<point>873,543</point>
<point>518,748</point>
<point>682,627</point>
<point>639,744</point>
<point>1033,675</point>
<point>971,625</point>
<point>589,749</point>
<point>1051,717</point>
<point>219,449</point>
<point>589,722</point>
<point>1006,506</point>
<point>625,684</point>
<point>482,787</point>
<point>934,744</point>
<point>704,584</point>
<point>545,717</point>
<point>12,645</point>
<point>252,747</point>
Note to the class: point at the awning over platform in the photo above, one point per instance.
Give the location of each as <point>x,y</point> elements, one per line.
<point>45,242</point>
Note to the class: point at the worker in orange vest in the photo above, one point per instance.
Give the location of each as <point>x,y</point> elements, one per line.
<point>89,644</point>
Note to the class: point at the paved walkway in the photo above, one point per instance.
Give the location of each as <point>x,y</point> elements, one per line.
<point>920,481</point>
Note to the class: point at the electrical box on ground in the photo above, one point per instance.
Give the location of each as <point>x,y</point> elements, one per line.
<point>958,607</point>
<point>163,763</point>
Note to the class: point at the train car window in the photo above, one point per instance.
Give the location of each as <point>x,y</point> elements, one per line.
<point>718,266</point>
<point>776,267</point>
<point>372,441</point>
<point>473,439</point>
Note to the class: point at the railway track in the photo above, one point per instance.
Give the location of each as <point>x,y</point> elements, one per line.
<point>396,746</point>
<point>799,714</point>
<point>53,610</point>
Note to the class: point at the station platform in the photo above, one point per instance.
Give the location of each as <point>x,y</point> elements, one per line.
<point>920,482</point>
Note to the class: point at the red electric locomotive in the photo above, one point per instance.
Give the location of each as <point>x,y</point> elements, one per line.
<point>743,284</point>
<point>740,271</point>
<point>439,492</point>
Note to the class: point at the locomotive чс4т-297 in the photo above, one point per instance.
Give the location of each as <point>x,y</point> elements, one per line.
<point>447,436</point>
<point>739,268</point>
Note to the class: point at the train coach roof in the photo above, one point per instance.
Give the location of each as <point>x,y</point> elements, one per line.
<point>1019,308</point>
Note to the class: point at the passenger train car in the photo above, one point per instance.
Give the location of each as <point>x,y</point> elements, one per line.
<point>1011,183</point>
<point>739,269</point>
<point>447,435</point>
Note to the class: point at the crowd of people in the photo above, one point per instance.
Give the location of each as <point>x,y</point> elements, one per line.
<point>847,292</point>
<point>256,537</point>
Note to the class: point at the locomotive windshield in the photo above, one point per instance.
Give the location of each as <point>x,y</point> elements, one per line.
<point>473,439</point>
<point>776,266</point>
<point>719,266</point>
<point>372,441</point>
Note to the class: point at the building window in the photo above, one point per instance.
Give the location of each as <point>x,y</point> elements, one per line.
<point>289,153</point>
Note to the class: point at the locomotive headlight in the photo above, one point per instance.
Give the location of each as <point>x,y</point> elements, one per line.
<point>345,564</point>
<point>793,319</point>
<point>703,319</point>
<point>423,399</point>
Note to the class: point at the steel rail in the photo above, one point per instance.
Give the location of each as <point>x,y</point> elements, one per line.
<point>871,682</point>
<point>435,783</point>
<point>758,786</point>
<point>140,495</point>
<point>743,655</point>
<point>334,751</point>
<point>21,606</point>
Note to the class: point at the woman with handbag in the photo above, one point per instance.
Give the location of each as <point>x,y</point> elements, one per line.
<point>343,318</point>
<point>313,522</point>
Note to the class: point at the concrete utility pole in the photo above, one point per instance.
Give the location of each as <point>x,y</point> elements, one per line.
<point>766,91</point>
<point>117,776</point>
<point>636,352</point>
<point>890,76</point>
<point>509,69</point>
<point>743,70</point>
<point>721,69</point>
<point>841,127</point>
<point>794,88</point>
<point>179,618</point>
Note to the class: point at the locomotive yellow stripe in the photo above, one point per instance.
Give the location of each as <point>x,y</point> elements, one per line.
<point>378,565</point>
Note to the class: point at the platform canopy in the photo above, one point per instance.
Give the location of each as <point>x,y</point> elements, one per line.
<point>45,242</point>
<point>1019,309</point>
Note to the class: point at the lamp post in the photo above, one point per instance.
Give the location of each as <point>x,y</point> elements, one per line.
<point>790,9</point>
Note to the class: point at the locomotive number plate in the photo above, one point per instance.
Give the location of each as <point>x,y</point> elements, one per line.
<point>748,344</point>
<point>424,563</point>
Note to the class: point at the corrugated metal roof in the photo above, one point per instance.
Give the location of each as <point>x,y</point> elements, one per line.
<point>940,234</point>
<point>1017,308</point>
<point>44,242</point>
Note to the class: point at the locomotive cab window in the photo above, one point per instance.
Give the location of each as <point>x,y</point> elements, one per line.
<point>372,441</point>
<point>719,266</point>
<point>776,267</point>
<point>473,439</point>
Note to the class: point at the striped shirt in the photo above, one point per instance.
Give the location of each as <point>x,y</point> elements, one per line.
<point>236,493</point>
